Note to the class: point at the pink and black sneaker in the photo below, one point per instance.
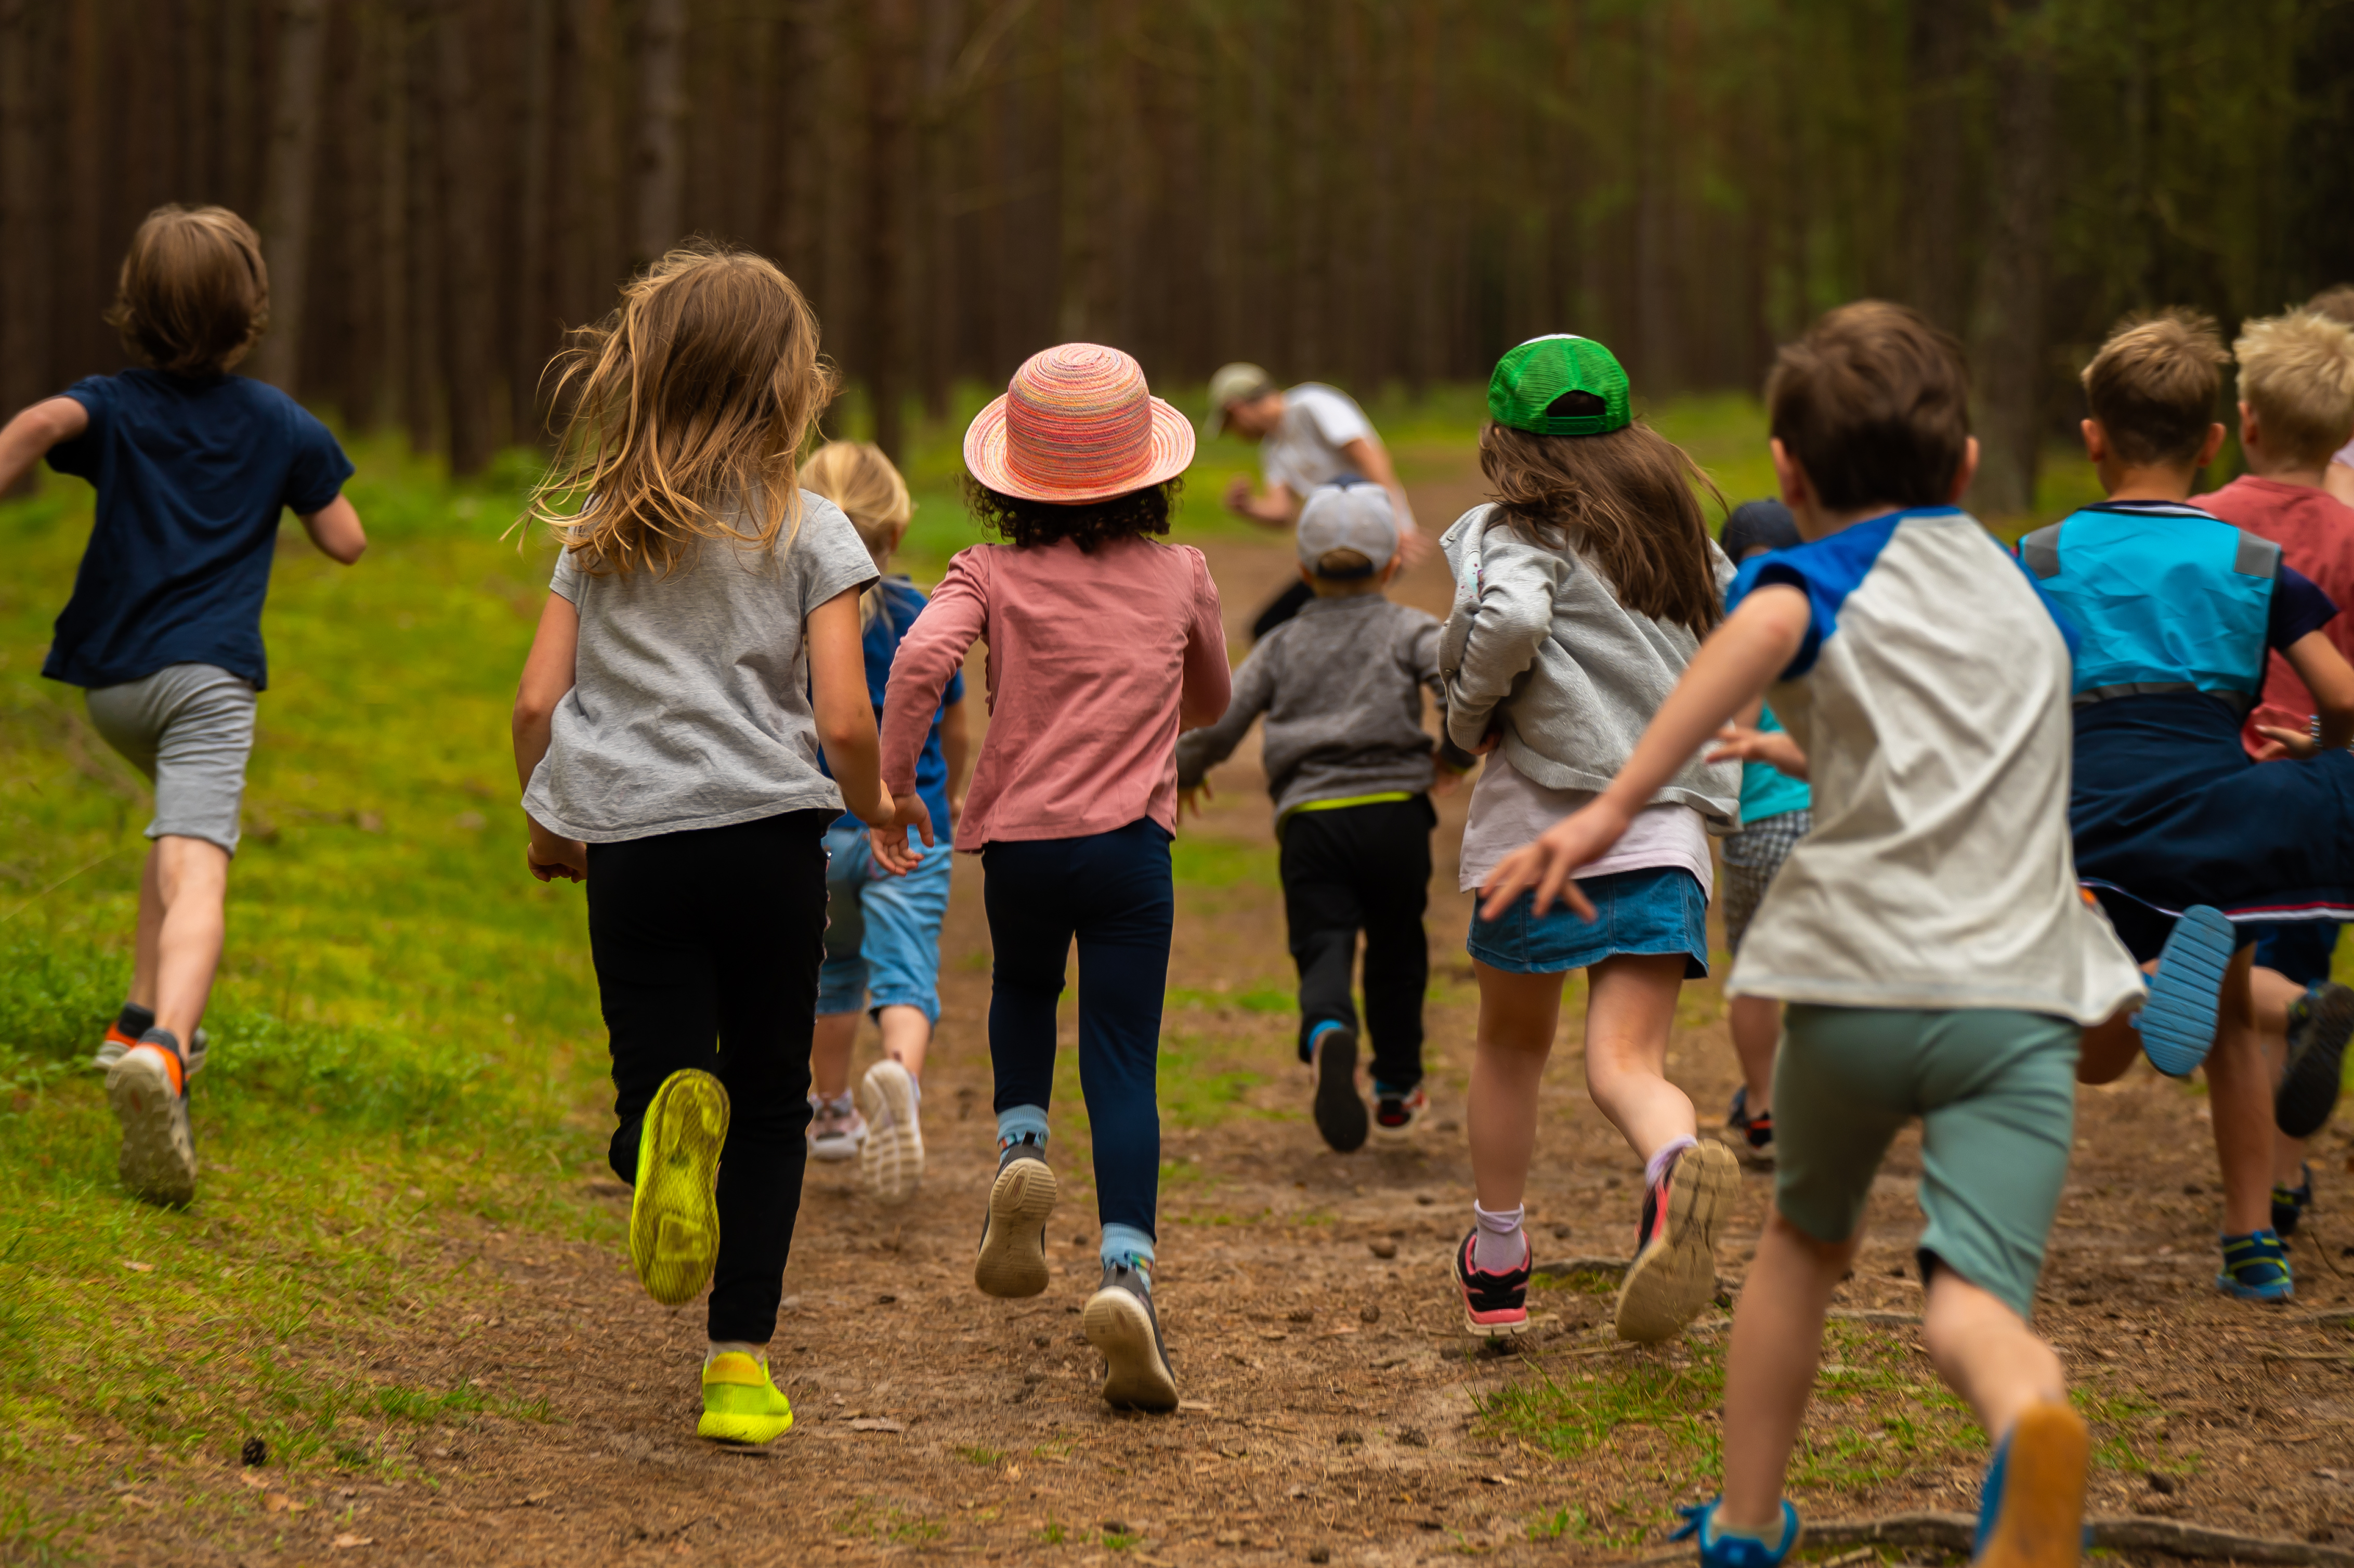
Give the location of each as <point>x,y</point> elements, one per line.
<point>1494,1305</point>
<point>1396,1114</point>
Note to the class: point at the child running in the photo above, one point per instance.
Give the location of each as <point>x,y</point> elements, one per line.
<point>1579,596</point>
<point>1775,815</point>
<point>700,643</point>
<point>192,466</point>
<point>1350,767</point>
<point>1102,644</point>
<point>2178,611</point>
<point>1926,937</point>
<point>882,934</point>
<point>2296,414</point>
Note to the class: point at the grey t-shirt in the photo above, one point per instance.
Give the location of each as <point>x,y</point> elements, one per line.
<point>690,702</point>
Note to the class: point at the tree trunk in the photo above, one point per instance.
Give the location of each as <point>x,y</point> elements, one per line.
<point>533,328</point>
<point>2010,328</point>
<point>287,188</point>
<point>1944,39</point>
<point>465,262</point>
<point>662,109</point>
<point>423,221</point>
<point>882,346</point>
<point>25,267</point>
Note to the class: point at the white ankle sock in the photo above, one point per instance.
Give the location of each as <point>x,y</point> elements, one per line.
<point>1498,1246</point>
<point>1657,1166</point>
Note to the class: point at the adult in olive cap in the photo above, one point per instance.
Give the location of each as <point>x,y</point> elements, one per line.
<point>1307,436</point>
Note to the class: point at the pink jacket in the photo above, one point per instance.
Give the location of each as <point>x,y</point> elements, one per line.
<point>1093,657</point>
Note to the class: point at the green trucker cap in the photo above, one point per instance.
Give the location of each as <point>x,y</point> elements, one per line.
<point>1529,378</point>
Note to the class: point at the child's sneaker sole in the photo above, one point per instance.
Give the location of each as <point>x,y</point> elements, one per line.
<point>2178,1021</point>
<point>1674,1278</point>
<point>1136,1377</point>
<point>1340,1110</point>
<point>891,1160</point>
<point>2309,1090</point>
<point>159,1155</point>
<point>1012,1260</point>
<point>2041,1518</point>
<point>674,1210</point>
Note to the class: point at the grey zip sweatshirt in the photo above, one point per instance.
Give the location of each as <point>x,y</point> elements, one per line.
<point>1341,687</point>
<point>1540,641</point>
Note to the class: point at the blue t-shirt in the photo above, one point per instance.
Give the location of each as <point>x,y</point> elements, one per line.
<point>902,602</point>
<point>1765,789</point>
<point>191,475</point>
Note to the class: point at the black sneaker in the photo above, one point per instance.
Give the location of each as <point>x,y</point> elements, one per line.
<point>2319,1024</point>
<point>1494,1305</point>
<point>1340,1109</point>
<point>1120,1324</point>
<point>1012,1260</point>
<point>1756,1131</point>
<point>2289,1203</point>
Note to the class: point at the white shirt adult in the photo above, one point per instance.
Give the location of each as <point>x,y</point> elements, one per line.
<point>1307,436</point>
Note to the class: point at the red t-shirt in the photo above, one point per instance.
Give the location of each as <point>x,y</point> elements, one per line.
<point>2316,533</point>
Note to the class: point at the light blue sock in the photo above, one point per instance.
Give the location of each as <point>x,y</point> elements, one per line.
<point>1013,1124</point>
<point>1126,1243</point>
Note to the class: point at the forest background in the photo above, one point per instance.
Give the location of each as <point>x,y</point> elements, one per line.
<point>1380,193</point>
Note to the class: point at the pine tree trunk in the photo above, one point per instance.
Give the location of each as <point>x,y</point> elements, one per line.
<point>1943,39</point>
<point>532,332</point>
<point>288,184</point>
<point>882,346</point>
<point>465,262</point>
<point>25,266</point>
<point>662,110</point>
<point>2010,327</point>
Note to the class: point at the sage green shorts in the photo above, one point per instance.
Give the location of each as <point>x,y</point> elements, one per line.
<point>1996,1093</point>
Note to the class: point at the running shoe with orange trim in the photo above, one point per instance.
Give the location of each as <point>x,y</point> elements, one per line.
<point>148,1088</point>
<point>1494,1305</point>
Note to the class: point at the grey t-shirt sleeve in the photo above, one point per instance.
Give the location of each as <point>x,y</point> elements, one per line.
<point>565,581</point>
<point>830,557</point>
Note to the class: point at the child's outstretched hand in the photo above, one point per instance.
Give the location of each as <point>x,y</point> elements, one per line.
<point>1190,800</point>
<point>2293,745</point>
<point>889,842</point>
<point>550,855</point>
<point>1545,865</point>
<point>1443,780</point>
<point>1774,747</point>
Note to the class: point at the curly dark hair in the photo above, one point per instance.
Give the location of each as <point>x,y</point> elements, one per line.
<point>1137,514</point>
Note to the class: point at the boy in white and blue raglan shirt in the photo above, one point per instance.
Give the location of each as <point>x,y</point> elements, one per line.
<point>1926,937</point>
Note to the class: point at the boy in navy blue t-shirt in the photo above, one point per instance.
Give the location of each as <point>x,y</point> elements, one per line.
<point>163,631</point>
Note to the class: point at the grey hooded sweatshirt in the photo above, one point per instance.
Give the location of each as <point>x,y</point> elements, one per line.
<point>1538,640</point>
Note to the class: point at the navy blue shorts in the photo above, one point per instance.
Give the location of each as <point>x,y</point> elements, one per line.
<point>1660,910</point>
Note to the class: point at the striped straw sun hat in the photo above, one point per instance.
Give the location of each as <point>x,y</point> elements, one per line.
<point>1077,423</point>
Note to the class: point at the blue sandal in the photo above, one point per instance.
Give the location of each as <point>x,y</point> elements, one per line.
<point>2178,1021</point>
<point>1736,1550</point>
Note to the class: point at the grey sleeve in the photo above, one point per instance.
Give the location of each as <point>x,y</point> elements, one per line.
<point>832,557</point>
<point>1199,750</point>
<point>565,581</point>
<point>1423,651</point>
<point>1504,628</point>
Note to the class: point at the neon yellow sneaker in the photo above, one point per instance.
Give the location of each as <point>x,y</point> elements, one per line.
<point>675,1211</point>
<point>740,1402</point>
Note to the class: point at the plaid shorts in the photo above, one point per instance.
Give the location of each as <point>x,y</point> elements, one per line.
<point>1751,855</point>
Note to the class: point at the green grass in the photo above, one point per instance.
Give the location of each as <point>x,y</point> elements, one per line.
<point>404,1028</point>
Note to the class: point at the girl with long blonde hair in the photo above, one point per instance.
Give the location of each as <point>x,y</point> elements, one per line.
<point>699,647</point>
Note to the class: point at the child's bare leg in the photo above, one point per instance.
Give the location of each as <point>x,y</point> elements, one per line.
<point>192,886</point>
<point>2112,1044</point>
<point>1630,1004</point>
<point>1757,1025</point>
<point>1987,1353</point>
<point>2239,1098</point>
<point>1518,1014</point>
<point>1769,1369</point>
<point>2270,994</point>
<point>831,1043</point>
<point>906,1035</point>
<point>146,949</point>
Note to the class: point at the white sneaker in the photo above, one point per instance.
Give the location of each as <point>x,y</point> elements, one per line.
<point>835,1130</point>
<point>891,1163</point>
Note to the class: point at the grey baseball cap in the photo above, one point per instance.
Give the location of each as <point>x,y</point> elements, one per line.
<point>1348,516</point>
<point>1240,382</point>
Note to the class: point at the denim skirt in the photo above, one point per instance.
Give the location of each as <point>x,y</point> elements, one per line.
<point>1658,910</point>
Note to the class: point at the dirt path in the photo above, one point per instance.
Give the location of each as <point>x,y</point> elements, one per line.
<point>1333,1408</point>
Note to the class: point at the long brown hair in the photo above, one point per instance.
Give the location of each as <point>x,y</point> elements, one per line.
<point>1623,503</point>
<point>690,401</point>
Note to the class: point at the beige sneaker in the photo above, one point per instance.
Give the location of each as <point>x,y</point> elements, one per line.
<point>148,1088</point>
<point>1673,1278</point>
<point>891,1160</point>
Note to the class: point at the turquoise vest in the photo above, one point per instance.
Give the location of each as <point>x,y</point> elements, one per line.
<point>2167,598</point>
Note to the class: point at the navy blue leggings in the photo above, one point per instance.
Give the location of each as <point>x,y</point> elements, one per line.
<point>1111,891</point>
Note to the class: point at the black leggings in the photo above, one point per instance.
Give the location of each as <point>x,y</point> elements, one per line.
<point>707,946</point>
<point>1362,868</point>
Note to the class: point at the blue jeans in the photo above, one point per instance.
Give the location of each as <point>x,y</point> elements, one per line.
<point>1112,893</point>
<point>882,943</point>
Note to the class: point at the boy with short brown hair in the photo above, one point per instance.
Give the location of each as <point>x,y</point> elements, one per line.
<point>192,466</point>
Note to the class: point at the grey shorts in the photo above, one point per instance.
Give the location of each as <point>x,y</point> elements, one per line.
<point>1753,854</point>
<point>1996,1095</point>
<point>189,727</point>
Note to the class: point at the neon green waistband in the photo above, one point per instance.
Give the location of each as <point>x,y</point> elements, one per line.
<point>1382,799</point>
